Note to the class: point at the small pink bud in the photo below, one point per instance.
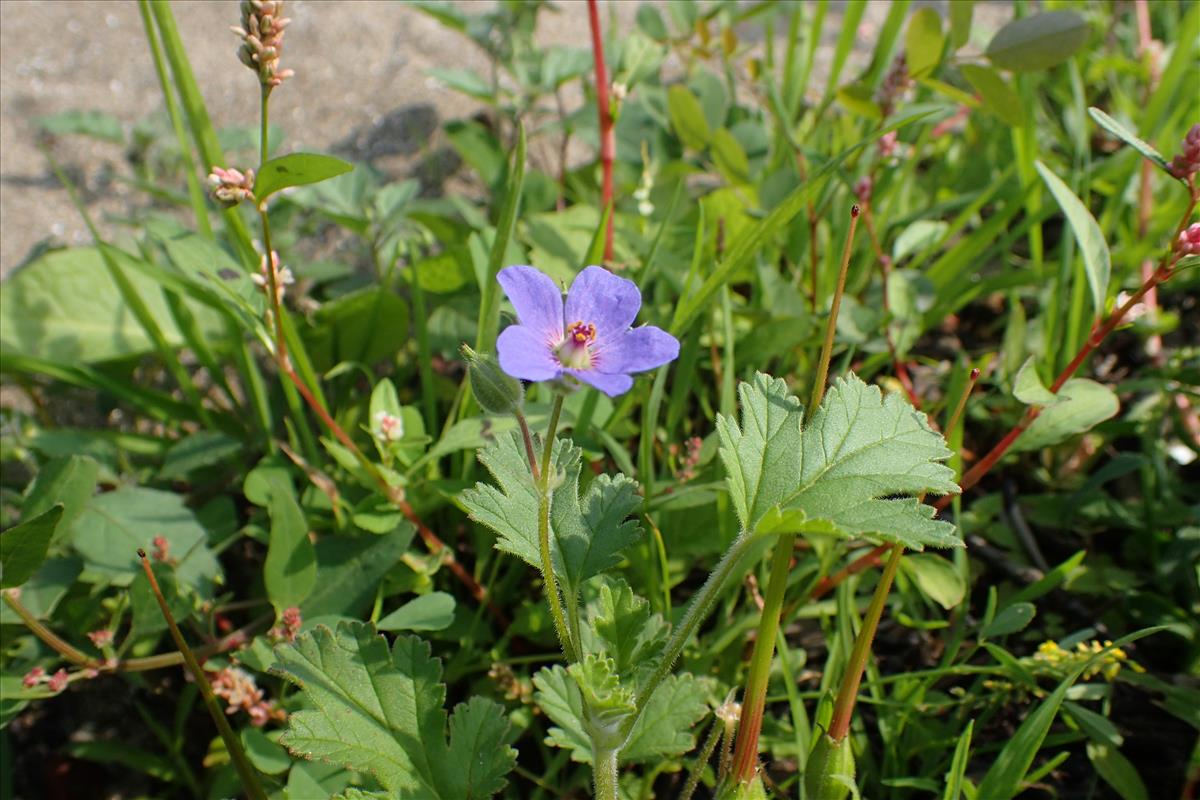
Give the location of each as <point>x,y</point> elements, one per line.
<point>33,677</point>
<point>863,189</point>
<point>391,428</point>
<point>1188,243</point>
<point>58,681</point>
<point>1187,163</point>
<point>162,547</point>
<point>888,143</point>
<point>101,638</point>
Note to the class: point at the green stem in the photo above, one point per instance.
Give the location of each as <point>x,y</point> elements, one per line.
<point>745,755</point>
<point>843,708</point>
<point>234,745</point>
<point>556,607</point>
<point>706,751</point>
<point>263,117</point>
<point>604,773</point>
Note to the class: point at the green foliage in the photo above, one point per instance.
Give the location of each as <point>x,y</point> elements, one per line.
<point>113,525</point>
<point>841,473</point>
<point>1038,41</point>
<point>290,569</point>
<point>588,532</point>
<point>381,711</point>
<point>142,397</point>
<point>1096,260</point>
<point>23,548</point>
<point>91,322</point>
<point>296,169</point>
<point>923,42</point>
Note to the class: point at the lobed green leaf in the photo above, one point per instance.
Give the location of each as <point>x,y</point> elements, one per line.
<point>382,712</point>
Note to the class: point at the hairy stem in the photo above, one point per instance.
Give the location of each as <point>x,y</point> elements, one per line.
<point>706,751</point>
<point>604,773</point>
<point>565,639</point>
<point>697,611</point>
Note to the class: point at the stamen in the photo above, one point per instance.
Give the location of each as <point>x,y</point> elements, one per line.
<point>574,352</point>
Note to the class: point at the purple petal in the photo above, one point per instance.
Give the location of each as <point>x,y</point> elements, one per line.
<point>606,301</point>
<point>611,385</point>
<point>536,298</point>
<point>637,350</point>
<point>524,354</point>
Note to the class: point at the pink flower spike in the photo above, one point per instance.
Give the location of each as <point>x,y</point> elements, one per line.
<point>58,681</point>
<point>33,677</point>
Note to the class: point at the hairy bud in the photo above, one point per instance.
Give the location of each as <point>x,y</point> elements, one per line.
<point>830,771</point>
<point>496,392</point>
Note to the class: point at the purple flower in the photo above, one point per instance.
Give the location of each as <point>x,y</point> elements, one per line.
<point>590,339</point>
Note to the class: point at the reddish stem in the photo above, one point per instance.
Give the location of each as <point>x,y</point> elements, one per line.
<point>1097,336</point>
<point>608,137</point>
<point>830,582</point>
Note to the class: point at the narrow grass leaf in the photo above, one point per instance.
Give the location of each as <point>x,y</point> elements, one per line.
<point>1096,260</point>
<point>1128,137</point>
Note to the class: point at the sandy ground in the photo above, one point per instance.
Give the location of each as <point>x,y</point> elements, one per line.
<point>361,88</point>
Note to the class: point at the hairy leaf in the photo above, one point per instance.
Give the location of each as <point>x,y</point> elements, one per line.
<point>763,456</point>
<point>855,469</point>
<point>623,628</point>
<point>862,449</point>
<point>587,534</point>
<point>662,731</point>
<point>382,712</point>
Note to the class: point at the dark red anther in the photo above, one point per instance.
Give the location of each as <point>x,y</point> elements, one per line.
<point>854,210</point>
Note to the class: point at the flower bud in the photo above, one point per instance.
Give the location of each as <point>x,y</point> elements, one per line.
<point>496,392</point>
<point>863,189</point>
<point>829,774</point>
<point>1187,163</point>
<point>1188,243</point>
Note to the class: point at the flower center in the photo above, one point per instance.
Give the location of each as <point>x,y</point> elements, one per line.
<point>573,352</point>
